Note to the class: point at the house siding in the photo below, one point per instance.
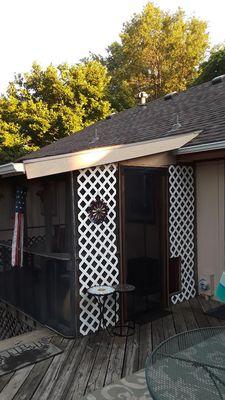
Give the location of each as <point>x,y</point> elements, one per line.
<point>210,219</point>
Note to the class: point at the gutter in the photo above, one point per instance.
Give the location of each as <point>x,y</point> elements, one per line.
<point>201,147</point>
<point>11,169</point>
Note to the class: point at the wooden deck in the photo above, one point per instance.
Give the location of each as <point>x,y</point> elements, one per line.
<point>92,362</point>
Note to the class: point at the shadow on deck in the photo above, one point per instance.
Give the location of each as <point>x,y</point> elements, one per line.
<point>91,362</point>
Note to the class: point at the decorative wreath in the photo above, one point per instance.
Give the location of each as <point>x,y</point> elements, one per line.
<point>98,211</point>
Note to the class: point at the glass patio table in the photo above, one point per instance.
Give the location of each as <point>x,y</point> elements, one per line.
<point>188,366</point>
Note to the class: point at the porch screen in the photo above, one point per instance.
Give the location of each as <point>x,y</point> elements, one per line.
<point>42,287</point>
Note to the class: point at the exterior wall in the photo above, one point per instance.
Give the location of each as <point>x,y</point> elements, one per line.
<point>155,160</point>
<point>210,219</point>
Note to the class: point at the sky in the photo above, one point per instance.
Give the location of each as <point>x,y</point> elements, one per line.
<point>55,31</point>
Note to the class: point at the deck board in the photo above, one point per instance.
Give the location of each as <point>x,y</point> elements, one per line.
<point>17,380</point>
<point>157,332</point>
<point>92,362</point>
<point>198,313</point>
<point>69,369</point>
<point>131,355</point>
<point>76,386</point>
<point>98,373</point>
<point>178,319</point>
<point>31,383</point>
<point>188,315</point>
<point>115,366</point>
<point>4,380</point>
<point>145,345</point>
<point>50,378</point>
<point>168,326</point>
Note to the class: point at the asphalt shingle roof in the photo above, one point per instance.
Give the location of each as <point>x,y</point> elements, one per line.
<point>201,107</point>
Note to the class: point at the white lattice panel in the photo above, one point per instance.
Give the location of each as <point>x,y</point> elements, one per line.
<point>98,263</point>
<point>182,226</point>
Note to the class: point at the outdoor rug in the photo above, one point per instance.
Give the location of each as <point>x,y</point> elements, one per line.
<point>132,387</point>
<point>22,355</point>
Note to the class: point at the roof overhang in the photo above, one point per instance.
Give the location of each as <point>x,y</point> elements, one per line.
<point>11,169</point>
<point>103,155</point>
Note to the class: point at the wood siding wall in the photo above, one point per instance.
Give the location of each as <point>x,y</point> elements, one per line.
<point>155,160</point>
<point>210,218</point>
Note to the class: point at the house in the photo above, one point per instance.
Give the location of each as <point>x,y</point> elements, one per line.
<point>137,198</point>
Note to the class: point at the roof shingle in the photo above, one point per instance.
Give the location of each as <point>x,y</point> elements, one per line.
<point>201,107</point>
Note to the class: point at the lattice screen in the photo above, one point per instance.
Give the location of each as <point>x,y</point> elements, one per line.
<point>12,322</point>
<point>97,243</point>
<point>182,226</point>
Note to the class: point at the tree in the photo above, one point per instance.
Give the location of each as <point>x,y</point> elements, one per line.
<point>48,104</point>
<point>158,53</point>
<point>12,144</point>
<point>214,66</point>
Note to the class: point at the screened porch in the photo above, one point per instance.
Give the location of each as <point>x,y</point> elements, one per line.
<point>44,286</point>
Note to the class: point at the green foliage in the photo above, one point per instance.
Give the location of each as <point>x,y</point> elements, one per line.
<point>48,104</point>
<point>159,52</point>
<point>213,67</point>
<point>13,143</point>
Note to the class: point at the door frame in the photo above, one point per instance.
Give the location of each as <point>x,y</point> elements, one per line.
<point>165,226</point>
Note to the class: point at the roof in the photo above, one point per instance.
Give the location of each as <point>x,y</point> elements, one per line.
<point>44,166</point>
<point>200,107</point>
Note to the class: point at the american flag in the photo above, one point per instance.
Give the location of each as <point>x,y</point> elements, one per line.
<point>18,233</point>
